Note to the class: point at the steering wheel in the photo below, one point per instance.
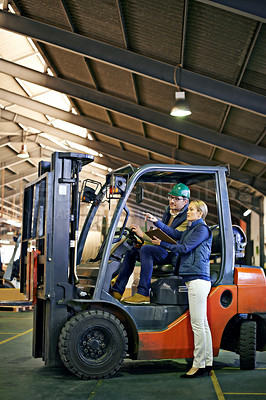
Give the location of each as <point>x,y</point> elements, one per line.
<point>126,232</point>
<point>133,237</point>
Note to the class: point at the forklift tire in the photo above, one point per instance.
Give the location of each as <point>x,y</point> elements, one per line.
<point>93,344</point>
<point>247,348</point>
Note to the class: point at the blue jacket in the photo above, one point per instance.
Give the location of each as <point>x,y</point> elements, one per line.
<point>193,250</point>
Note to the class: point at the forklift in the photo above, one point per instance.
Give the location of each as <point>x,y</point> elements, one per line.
<point>77,322</point>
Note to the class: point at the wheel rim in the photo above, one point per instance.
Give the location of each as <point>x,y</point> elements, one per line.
<point>94,345</point>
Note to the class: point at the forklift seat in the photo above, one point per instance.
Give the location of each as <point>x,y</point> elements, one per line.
<point>239,240</point>
<point>162,270</point>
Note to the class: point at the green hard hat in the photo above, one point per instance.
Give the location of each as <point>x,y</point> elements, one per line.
<point>180,190</point>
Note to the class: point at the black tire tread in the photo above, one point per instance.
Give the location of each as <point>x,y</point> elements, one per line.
<point>247,349</point>
<point>65,335</point>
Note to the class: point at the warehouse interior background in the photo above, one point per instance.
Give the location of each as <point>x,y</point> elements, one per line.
<point>100,77</point>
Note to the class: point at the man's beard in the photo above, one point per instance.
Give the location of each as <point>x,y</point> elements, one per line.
<point>174,211</point>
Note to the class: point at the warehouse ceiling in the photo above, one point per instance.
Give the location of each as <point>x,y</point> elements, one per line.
<point>101,76</point>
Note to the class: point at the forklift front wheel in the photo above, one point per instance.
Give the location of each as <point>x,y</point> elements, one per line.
<point>93,344</point>
<point>248,342</point>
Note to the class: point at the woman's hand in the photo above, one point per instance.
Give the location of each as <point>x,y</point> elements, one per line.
<point>150,217</point>
<point>156,241</point>
<point>137,230</point>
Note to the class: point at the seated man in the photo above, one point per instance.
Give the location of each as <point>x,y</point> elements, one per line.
<point>174,216</point>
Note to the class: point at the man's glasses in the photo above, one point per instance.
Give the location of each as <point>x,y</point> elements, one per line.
<point>175,198</point>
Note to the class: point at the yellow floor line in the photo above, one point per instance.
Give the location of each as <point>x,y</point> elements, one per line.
<point>217,386</point>
<point>9,333</point>
<point>247,394</point>
<point>94,389</point>
<point>14,337</point>
<point>239,368</point>
<point>1,318</point>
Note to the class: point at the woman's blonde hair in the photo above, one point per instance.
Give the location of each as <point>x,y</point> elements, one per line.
<point>201,207</point>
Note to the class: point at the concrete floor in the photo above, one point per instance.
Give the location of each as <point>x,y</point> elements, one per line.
<point>24,378</point>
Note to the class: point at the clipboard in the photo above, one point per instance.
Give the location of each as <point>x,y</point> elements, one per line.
<point>160,235</point>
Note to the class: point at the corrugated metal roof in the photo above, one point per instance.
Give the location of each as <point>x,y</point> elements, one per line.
<point>217,44</point>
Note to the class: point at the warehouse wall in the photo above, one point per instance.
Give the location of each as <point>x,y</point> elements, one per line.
<point>255,237</point>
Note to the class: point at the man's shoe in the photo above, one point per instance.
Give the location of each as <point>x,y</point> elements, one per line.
<point>116,295</point>
<point>137,298</point>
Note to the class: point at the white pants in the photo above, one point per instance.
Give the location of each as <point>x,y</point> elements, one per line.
<point>198,291</point>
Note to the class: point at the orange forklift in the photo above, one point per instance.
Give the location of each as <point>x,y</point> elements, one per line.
<point>76,320</point>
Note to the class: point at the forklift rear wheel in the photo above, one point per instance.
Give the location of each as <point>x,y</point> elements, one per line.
<point>247,348</point>
<point>93,344</point>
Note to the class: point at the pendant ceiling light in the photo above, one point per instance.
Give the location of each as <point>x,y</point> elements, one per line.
<point>23,152</point>
<point>181,107</point>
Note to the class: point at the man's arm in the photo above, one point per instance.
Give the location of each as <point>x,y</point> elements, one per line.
<point>173,233</point>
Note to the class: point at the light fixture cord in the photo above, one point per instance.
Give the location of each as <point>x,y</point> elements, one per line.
<point>183,36</point>
<point>182,45</point>
<point>24,136</point>
<point>178,86</point>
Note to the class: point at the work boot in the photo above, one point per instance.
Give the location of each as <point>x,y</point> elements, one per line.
<point>116,295</point>
<point>137,298</point>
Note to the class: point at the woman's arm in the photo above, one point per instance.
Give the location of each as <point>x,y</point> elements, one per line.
<point>200,234</point>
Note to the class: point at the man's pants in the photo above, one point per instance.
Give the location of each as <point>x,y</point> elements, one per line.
<point>149,256</point>
<point>198,291</point>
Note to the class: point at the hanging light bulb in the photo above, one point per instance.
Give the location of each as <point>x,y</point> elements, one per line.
<point>181,107</point>
<point>23,152</point>
<point>247,212</point>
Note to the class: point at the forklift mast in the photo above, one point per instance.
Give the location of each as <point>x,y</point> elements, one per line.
<point>49,230</point>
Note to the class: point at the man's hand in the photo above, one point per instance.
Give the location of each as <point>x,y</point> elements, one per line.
<point>156,241</point>
<point>150,217</point>
<point>137,230</point>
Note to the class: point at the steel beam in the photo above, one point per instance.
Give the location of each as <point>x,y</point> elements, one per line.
<point>254,9</point>
<point>133,62</point>
<point>49,145</point>
<point>28,174</point>
<point>9,162</point>
<point>5,141</point>
<point>124,157</point>
<point>114,133</point>
<point>134,140</point>
<point>135,111</point>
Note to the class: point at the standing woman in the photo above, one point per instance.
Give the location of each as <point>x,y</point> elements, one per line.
<point>193,252</point>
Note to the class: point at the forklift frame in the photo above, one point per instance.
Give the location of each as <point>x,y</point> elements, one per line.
<point>50,226</point>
